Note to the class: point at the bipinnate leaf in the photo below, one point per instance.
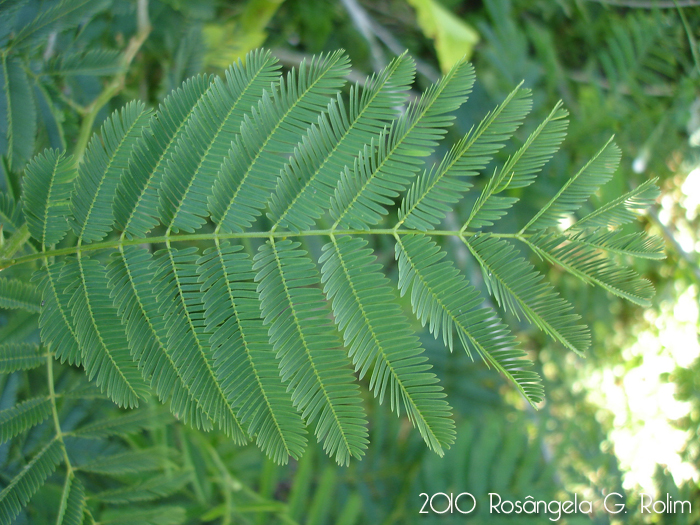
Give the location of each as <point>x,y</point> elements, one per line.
<point>181,258</point>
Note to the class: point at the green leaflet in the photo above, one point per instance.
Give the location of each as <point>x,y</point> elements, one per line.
<point>17,113</point>
<point>308,180</point>
<point>312,360</point>
<point>56,319</point>
<point>177,291</point>
<point>46,189</point>
<point>589,265</point>
<point>103,345</point>
<point>271,131</point>
<point>70,512</point>
<point>578,188</point>
<point>437,190</point>
<point>243,358</point>
<point>23,417</point>
<point>442,296</point>
<point>385,168</point>
<point>136,200</point>
<point>517,286</point>
<point>99,173</point>
<point>378,337</point>
<point>206,140</point>
<point>20,356</point>
<point>520,169</point>
<point>129,275</point>
<point>28,481</point>
<point>16,294</point>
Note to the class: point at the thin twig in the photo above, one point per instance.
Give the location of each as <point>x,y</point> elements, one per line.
<point>390,41</point>
<point>363,23</point>
<point>50,46</point>
<point>371,28</point>
<point>117,84</point>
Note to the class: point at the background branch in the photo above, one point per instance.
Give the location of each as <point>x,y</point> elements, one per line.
<point>117,83</point>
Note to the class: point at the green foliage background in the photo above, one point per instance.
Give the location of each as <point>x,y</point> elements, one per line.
<point>618,68</point>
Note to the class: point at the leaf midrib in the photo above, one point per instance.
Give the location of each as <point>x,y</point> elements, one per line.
<point>181,296</point>
<point>307,351</point>
<point>381,349</point>
<point>332,152</point>
<point>189,237</point>
<point>269,137</point>
<point>418,119</point>
<point>99,334</point>
<point>485,354</point>
<point>163,156</point>
<point>247,349</point>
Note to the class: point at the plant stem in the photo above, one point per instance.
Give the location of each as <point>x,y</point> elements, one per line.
<point>12,245</point>
<point>54,411</point>
<point>117,83</point>
<point>189,237</point>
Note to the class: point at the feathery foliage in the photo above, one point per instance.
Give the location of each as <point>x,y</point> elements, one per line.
<point>31,84</point>
<point>179,257</point>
